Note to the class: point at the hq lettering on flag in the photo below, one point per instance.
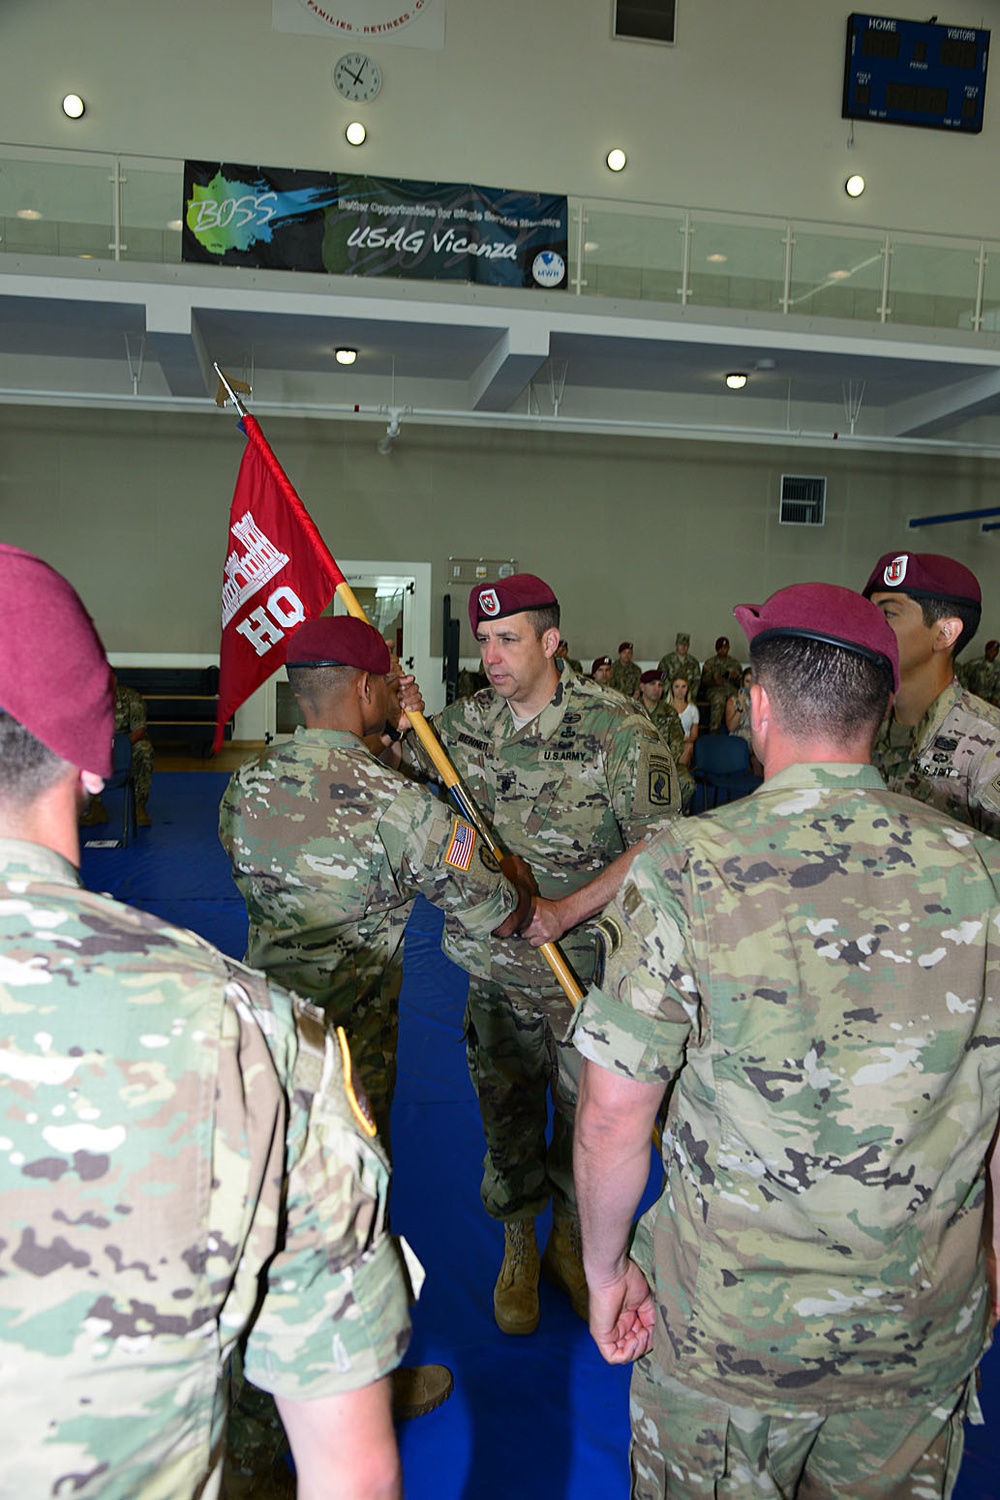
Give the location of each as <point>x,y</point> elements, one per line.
<point>278,573</point>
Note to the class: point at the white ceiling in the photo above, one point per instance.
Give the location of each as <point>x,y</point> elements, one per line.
<point>120,335</point>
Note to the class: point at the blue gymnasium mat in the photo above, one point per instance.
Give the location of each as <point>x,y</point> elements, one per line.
<point>532,1417</point>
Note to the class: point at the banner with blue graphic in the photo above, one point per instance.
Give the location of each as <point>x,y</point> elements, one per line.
<point>348,225</point>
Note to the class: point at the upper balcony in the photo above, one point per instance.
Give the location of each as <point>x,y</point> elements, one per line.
<point>871,335</point>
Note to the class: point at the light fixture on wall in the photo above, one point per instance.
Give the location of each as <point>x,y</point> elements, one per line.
<point>616,159</point>
<point>345,356</point>
<point>855,185</point>
<point>73,107</point>
<point>736,380</point>
<point>356,133</point>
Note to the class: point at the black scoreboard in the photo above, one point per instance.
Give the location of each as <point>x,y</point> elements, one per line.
<point>915,73</point>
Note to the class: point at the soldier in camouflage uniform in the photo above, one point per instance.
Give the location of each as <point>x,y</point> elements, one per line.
<point>570,776</point>
<point>625,673</point>
<point>982,676</point>
<point>811,972</point>
<point>667,722</point>
<point>185,1163</point>
<point>130,719</point>
<point>721,677</point>
<point>680,663</point>
<point>329,847</point>
<point>939,743</point>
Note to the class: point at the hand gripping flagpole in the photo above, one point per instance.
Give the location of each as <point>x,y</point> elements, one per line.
<point>429,741</point>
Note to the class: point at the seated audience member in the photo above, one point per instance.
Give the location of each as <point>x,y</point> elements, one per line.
<point>601,671</point>
<point>720,675</point>
<point>680,663</point>
<point>982,676</point>
<point>625,673</point>
<point>687,712</point>
<point>738,717</point>
<point>562,652</point>
<point>187,1166</point>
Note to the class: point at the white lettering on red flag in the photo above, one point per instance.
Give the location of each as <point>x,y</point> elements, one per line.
<point>277,574</point>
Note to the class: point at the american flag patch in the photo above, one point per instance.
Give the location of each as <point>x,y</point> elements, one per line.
<point>462,846</point>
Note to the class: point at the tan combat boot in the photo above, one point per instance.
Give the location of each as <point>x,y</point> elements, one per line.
<point>562,1263</point>
<point>515,1296</point>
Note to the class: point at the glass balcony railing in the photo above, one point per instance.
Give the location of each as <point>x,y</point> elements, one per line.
<point>118,207</point>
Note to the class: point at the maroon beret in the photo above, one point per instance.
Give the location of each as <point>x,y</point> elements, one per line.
<point>54,675</point>
<point>722,641</point>
<point>509,596</point>
<point>339,641</point>
<point>653,675</point>
<point>923,575</point>
<point>625,646</point>
<point>600,661</point>
<point>824,612</point>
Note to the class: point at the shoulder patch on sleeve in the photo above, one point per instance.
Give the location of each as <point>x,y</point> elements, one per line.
<point>462,846</point>
<point>656,783</point>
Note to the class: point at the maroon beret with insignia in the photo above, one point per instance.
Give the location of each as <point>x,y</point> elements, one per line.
<point>54,675</point>
<point>600,661</point>
<point>923,575</point>
<point>653,675</point>
<point>625,646</point>
<point>824,612</point>
<point>509,596</point>
<point>339,641</point>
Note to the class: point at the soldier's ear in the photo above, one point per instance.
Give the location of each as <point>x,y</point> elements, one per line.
<point>947,633</point>
<point>550,642</point>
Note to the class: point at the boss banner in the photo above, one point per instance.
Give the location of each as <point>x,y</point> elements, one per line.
<point>348,225</point>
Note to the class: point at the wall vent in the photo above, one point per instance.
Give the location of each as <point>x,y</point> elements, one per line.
<point>645,20</point>
<point>803,500</point>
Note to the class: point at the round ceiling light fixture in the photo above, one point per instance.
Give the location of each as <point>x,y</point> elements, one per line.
<point>356,133</point>
<point>345,356</point>
<point>616,159</point>
<point>73,107</point>
<point>736,380</point>
<point>855,185</point>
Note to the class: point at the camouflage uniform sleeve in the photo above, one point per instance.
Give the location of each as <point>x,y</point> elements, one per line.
<point>433,850</point>
<point>642,778</point>
<point>334,1315</point>
<point>637,1018</point>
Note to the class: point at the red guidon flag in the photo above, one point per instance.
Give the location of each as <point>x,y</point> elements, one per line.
<point>278,573</point>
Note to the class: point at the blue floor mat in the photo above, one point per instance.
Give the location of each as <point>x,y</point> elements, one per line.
<point>530,1417</point>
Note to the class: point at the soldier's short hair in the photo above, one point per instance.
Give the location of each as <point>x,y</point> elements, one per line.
<point>822,690</point>
<point>965,610</point>
<point>314,684</point>
<point>27,767</point>
<point>543,619</point>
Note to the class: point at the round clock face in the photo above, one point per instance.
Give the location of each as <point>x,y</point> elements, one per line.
<point>357,77</point>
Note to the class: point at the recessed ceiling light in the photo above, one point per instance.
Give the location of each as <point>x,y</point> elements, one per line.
<point>855,185</point>
<point>716,258</point>
<point>73,107</point>
<point>616,159</point>
<point>28,213</point>
<point>176,225</point>
<point>736,380</point>
<point>345,356</point>
<point>589,246</point>
<point>356,133</point>
<point>838,275</point>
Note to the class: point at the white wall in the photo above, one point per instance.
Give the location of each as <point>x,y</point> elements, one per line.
<point>639,538</point>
